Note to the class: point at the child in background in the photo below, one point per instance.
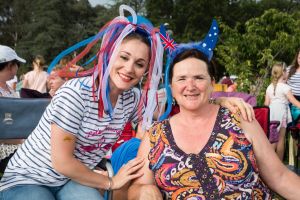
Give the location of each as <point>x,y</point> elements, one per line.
<point>278,96</point>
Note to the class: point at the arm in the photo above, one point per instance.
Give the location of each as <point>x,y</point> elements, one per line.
<point>274,173</point>
<point>267,100</point>
<point>144,187</point>
<point>25,83</point>
<point>63,161</point>
<point>235,105</point>
<point>292,99</point>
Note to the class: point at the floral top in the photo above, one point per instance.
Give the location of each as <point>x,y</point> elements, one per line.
<point>7,149</point>
<point>224,169</point>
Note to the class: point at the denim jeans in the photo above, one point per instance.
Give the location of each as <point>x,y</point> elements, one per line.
<point>70,191</point>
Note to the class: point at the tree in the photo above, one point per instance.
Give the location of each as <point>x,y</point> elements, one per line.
<point>249,50</point>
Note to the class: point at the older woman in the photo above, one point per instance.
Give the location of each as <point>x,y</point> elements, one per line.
<point>205,151</point>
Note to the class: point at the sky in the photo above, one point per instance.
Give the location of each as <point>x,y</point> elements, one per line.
<point>101,2</point>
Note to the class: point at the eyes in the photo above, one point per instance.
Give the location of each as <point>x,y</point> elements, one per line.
<point>140,63</point>
<point>196,78</point>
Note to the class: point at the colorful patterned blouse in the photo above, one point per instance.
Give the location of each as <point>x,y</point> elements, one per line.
<point>224,169</point>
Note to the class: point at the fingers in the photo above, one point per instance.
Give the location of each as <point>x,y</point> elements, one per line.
<point>245,110</point>
<point>128,172</point>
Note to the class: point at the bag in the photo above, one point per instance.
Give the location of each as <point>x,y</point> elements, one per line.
<point>19,116</point>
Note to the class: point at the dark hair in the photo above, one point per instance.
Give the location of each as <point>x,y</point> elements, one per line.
<point>3,65</point>
<point>193,53</point>
<point>294,65</point>
<point>138,36</point>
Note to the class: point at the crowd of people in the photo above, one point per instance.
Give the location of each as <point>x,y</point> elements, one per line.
<point>231,158</point>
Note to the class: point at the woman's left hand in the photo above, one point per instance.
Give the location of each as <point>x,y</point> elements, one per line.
<point>237,106</point>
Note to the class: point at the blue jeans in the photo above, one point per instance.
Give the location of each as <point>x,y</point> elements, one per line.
<point>70,191</point>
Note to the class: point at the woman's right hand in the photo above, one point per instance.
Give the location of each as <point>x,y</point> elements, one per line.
<point>127,173</point>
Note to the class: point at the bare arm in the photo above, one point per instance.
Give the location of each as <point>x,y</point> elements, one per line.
<point>292,99</point>
<point>274,173</point>
<point>63,161</point>
<point>25,83</point>
<point>267,100</point>
<point>144,187</point>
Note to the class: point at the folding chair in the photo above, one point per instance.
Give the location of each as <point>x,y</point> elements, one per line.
<point>294,139</point>
<point>262,115</point>
<point>20,116</point>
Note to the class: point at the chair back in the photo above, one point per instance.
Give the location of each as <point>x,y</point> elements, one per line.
<point>262,115</point>
<point>20,116</point>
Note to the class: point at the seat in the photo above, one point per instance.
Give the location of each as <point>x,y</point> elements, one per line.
<point>294,137</point>
<point>262,115</point>
<point>20,116</point>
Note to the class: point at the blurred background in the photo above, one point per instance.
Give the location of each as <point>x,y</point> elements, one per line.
<point>254,34</point>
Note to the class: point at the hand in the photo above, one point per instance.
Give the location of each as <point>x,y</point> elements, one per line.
<point>237,106</point>
<point>127,173</point>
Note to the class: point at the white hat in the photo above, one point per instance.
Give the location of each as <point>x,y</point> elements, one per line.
<point>8,54</point>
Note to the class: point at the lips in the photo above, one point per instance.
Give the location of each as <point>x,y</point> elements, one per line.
<point>191,97</point>
<point>125,78</point>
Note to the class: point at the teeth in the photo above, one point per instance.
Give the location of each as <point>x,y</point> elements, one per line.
<point>125,77</point>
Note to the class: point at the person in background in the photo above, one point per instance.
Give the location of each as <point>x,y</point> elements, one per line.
<point>13,83</point>
<point>278,95</point>
<point>9,64</point>
<point>293,79</point>
<point>228,158</point>
<point>37,78</point>
<point>227,80</point>
<point>55,81</point>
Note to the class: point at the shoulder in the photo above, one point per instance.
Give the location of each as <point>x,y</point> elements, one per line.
<point>74,89</point>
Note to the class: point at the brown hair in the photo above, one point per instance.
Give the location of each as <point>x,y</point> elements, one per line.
<point>294,65</point>
<point>40,61</point>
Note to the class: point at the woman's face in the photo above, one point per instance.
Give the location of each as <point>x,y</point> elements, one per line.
<point>129,65</point>
<point>14,66</point>
<point>55,82</point>
<point>191,84</point>
<point>298,58</point>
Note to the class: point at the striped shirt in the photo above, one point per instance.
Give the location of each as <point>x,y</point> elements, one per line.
<point>75,110</point>
<point>294,83</point>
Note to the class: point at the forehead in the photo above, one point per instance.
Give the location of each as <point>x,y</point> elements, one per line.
<point>190,66</point>
<point>135,46</point>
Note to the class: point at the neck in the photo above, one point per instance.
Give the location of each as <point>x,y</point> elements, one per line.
<point>202,113</point>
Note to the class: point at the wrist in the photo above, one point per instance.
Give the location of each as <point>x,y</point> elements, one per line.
<point>110,184</point>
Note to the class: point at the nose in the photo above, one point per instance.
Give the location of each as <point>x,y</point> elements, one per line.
<point>129,66</point>
<point>190,84</point>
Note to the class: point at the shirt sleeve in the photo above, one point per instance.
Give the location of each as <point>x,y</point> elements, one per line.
<point>68,109</point>
<point>286,89</point>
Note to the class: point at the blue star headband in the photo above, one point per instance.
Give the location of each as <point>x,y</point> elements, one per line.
<point>205,46</point>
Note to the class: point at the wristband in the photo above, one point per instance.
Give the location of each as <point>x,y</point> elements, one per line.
<point>110,183</point>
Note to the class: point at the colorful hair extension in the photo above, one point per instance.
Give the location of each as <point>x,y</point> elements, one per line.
<point>112,35</point>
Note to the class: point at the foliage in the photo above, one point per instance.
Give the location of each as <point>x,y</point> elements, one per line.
<point>249,50</point>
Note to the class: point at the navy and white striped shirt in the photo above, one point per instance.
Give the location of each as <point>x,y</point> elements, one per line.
<point>294,83</point>
<point>75,110</point>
